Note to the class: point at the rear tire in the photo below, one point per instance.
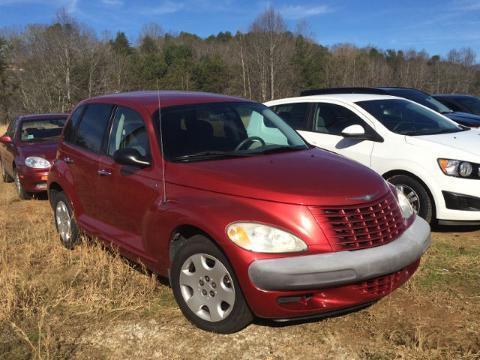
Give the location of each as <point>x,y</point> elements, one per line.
<point>64,220</point>
<point>22,194</point>
<point>206,288</point>
<point>417,194</point>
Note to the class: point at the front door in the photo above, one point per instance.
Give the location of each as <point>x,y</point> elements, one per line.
<point>128,193</point>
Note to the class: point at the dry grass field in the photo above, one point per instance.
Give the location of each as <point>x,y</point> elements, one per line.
<point>90,303</point>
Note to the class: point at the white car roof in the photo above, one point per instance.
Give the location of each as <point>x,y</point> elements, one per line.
<point>349,98</point>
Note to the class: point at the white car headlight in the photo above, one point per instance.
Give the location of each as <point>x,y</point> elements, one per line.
<point>263,238</point>
<point>405,206</point>
<point>459,168</point>
<point>37,162</point>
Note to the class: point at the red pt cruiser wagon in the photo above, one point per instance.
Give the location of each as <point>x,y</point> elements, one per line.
<point>244,217</point>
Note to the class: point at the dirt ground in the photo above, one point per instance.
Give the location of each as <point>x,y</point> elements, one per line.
<point>90,303</point>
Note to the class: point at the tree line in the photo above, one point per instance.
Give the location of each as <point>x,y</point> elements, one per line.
<point>49,68</point>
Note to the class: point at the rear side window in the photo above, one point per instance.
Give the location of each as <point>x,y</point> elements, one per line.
<point>128,131</point>
<point>71,125</point>
<point>333,119</point>
<point>294,115</point>
<point>93,124</point>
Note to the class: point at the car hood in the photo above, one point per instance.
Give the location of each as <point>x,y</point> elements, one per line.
<point>464,118</point>
<point>46,150</point>
<point>464,143</point>
<point>307,177</point>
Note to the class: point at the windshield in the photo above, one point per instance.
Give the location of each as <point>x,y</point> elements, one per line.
<point>421,98</point>
<point>408,118</point>
<point>39,130</point>
<point>471,103</point>
<point>219,130</point>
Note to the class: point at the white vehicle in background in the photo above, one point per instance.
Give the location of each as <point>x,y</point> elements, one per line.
<point>433,160</point>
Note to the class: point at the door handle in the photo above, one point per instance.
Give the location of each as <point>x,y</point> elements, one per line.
<point>68,160</point>
<point>104,172</point>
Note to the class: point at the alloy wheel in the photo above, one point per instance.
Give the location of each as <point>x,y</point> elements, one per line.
<point>411,195</point>
<point>64,221</point>
<point>18,184</point>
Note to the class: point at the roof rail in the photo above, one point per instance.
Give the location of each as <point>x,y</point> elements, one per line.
<point>343,90</point>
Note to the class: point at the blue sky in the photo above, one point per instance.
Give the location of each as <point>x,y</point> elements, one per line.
<point>435,26</point>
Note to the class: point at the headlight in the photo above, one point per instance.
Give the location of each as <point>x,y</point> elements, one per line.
<point>405,206</point>
<point>459,168</point>
<point>262,238</point>
<point>37,162</point>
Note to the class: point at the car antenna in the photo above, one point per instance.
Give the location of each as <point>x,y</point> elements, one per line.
<point>164,185</point>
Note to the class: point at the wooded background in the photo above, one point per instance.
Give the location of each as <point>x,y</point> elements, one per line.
<point>47,68</point>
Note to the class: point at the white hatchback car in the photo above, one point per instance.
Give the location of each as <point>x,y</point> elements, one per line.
<point>433,160</point>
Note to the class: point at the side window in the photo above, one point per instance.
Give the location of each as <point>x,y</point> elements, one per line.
<point>451,104</point>
<point>93,124</point>
<point>70,127</point>
<point>332,119</point>
<point>128,131</point>
<point>294,115</point>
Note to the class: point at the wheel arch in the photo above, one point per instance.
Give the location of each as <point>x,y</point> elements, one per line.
<point>182,233</point>
<point>53,188</point>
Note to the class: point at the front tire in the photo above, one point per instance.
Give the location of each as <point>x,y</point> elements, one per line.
<point>417,194</point>
<point>206,289</point>
<point>65,221</point>
<point>22,194</point>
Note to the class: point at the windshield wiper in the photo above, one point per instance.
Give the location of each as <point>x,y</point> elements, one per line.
<point>274,149</point>
<point>207,155</point>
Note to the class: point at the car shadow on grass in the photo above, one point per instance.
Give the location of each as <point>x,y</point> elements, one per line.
<point>311,319</point>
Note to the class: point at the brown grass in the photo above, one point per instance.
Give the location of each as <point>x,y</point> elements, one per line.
<point>90,303</point>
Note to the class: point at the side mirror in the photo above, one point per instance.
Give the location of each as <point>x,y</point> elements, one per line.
<point>6,139</point>
<point>354,131</point>
<point>132,157</point>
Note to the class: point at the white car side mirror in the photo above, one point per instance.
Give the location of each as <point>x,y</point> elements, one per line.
<point>353,131</point>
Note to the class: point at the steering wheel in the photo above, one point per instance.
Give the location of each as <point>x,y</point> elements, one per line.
<point>403,126</point>
<point>249,140</point>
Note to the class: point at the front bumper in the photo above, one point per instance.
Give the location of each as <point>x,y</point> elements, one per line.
<point>33,180</point>
<point>345,267</point>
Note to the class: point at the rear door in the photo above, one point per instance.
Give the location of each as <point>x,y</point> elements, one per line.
<point>297,115</point>
<point>128,193</point>
<point>84,136</point>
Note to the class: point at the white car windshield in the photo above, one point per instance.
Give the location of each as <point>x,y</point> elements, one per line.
<point>408,118</point>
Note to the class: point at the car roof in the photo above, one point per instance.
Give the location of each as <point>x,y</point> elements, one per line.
<point>349,98</point>
<point>151,100</point>
<point>401,89</point>
<point>453,96</point>
<point>43,116</point>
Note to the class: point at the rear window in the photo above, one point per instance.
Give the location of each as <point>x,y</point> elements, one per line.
<point>293,114</point>
<point>39,130</point>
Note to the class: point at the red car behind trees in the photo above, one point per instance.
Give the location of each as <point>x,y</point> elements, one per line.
<point>244,217</point>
